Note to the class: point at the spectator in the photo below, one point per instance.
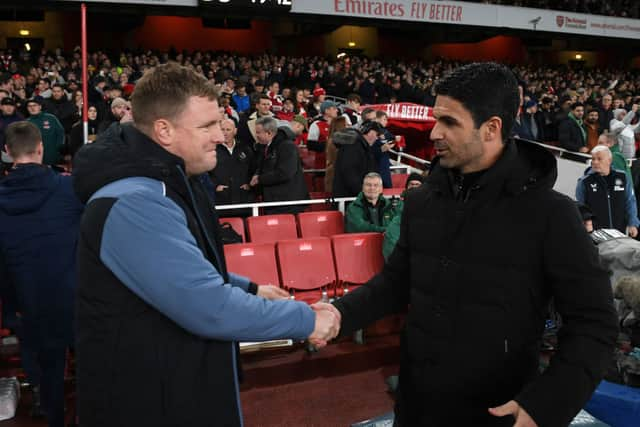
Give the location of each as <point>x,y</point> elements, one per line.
<point>300,127</point>
<point>247,125</point>
<point>368,114</point>
<point>381,149</point>
<point>546,115</point>
<point>355,157</point>
<point>592,126</point>
<point>97,96</point>
<point>530,120</point>
<point>39,219</point>
<point>571,132</point>
<point>624,132</point>
<point>60,106</point>
<point>606,112</point>
<point>371,211</point>
<point>234,168</point>
<point>319,132</point>
<point>8,114</point>
<point>240,100</point>
<point>116,113</point>
<point>50,128</point>
<point>76,137</point>
<point>332,152</point>
<point>279,172</point>
<point>43,90</point>
<point>609,194</point>
<point>352,109</point>
<point>274,95</point>
<point>618,161</point>
<point>392,233</point>
<point>287,112</point>
<point>314,108</point>
<point>152,274</point>
<point>227,110</point>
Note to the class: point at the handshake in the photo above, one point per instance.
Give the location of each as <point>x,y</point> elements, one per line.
<point>327,326</point>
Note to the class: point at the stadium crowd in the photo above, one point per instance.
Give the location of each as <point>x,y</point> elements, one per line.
<point>294,85</point>
<point>619,8</point>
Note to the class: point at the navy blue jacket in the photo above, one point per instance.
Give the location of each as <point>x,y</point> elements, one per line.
<point>39,220</point>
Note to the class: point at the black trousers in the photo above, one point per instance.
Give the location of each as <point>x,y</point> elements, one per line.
<point>45,368</point>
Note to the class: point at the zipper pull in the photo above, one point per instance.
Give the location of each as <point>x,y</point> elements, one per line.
<point>506,346</point>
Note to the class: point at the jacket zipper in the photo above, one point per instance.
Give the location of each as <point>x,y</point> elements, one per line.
<point>606,189</point>
<point>215,253</point>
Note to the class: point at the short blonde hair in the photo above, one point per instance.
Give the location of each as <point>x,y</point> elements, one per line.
<point>163,92</point>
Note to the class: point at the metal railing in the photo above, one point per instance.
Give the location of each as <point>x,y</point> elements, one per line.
<point>255,207</point>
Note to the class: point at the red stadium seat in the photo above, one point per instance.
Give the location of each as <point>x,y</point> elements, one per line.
<point>399,180</point>
<point>358,258</point>
<point>257,261</point>
<point>307,269</point>
<point>392,191</point>
<point>271,228</point>
<point>237,224</point>
<point>320,224</point>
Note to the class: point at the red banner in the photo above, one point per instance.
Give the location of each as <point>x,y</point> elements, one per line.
<point>405,111</point>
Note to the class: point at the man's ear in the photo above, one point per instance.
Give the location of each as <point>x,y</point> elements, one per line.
<point>163,132</point>
<point>492,129</point>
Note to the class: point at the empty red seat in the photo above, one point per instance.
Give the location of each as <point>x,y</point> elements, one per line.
<point>271,228</point>
<point>399,180</point>
<point>306,267</point>
<point>237,224</point>
<point>358,257</point>
<point>321,224</point>
<point>257,261</point>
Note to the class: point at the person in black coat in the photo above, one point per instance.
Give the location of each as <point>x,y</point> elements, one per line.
<point>279,174</point>
<point>39,222</point>
<point>355,157</point>
<point>484,245</point>
<point>572,134</point>
<point>234,170</point>
<point>60,106</point>
<point>76,137</point>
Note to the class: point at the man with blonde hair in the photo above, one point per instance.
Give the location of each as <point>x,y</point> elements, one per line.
<point>609,194</point>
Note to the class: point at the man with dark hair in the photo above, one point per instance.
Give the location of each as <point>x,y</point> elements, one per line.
<point>39,220</point>
<point>571,132</point>
<point>240,100</point>
<point>155,299</point>
<point>500,244</point>
<point>8,114</point>
<point>43,90</point>
<point>355,157</point>
<point>247,125</point>
<point>279,174</point>
<point>60,106</point>
<point>592,127</point>
<point>351,110</point>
